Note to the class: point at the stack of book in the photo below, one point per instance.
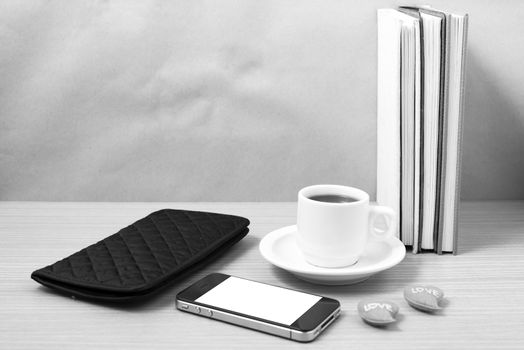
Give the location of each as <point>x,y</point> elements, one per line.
<point>421,60</point>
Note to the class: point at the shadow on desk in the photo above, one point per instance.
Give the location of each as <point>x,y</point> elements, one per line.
<point>491,228</point>
<point>389,282</point>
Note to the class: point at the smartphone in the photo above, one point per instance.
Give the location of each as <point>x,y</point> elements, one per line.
<point>280,311</point>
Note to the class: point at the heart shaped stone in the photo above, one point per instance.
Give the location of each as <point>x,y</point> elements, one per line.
<point>425,298</point>
<point>378,313</point>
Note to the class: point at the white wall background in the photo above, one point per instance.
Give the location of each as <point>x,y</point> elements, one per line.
<point>228,100</point>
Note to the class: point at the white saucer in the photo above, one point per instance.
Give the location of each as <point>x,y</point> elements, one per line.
<point>280,249</point>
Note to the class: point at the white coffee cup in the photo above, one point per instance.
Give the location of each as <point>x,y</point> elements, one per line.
<point>334,234</point>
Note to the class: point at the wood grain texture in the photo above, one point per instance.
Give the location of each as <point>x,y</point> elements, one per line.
<point>484,285</point>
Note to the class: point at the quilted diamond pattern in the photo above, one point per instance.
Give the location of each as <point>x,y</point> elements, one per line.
<point>146,254</point>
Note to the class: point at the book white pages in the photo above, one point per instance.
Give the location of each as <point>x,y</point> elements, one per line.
<point>410,112</point>
<point>451,198</point>
<point>432,26</point>
<point>417,135</point>
<point>398,107</point>
<point>388,111</point>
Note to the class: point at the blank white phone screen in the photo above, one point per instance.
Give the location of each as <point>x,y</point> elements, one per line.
<point>260,300</point>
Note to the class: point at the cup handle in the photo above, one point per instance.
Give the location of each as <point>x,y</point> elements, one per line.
<point>391,220</point>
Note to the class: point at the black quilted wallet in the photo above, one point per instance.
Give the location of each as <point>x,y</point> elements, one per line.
<point>145,256</point>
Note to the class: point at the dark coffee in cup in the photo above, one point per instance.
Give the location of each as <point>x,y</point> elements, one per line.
<point>333,198</point>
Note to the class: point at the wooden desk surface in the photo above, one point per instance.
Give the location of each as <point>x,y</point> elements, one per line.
<point>484,285</point>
